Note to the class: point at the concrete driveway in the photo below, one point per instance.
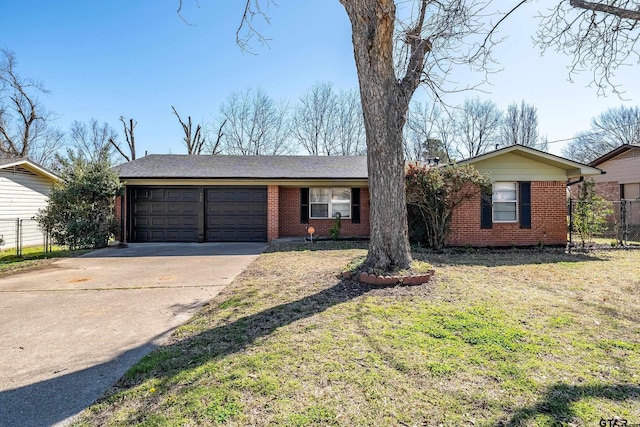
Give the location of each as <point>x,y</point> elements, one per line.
<point>69,331</point>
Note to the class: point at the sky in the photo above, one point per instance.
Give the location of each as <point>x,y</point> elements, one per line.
<point>138,58</point>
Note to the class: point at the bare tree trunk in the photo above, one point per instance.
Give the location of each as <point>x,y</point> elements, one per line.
<point>385,101</point>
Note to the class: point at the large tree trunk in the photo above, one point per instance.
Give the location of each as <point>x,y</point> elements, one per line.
<point>385,101</point>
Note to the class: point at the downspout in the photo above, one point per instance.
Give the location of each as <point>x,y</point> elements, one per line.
<point>581,179</point>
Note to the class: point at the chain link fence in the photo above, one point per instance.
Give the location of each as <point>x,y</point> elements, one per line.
<point>622,226</point>
<point>18,233</point>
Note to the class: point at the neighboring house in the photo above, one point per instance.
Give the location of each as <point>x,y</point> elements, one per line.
<point>528,204</point>
<point>622,173</point>
<point>208,198</point>
<point>24,189</point>
<point>261,198</point>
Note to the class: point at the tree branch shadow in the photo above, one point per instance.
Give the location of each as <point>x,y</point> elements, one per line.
<point>237,335</point>
<point>559,398</point>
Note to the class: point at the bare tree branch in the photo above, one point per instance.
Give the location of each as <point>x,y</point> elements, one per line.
<point>129,137</point>
<point>193,141</point>
<point>24,122</point>
<point>620,12</point>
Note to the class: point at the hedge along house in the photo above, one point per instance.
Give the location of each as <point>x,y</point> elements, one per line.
<point>24,190</point>
<point>528,202</point>
<point>186,198</point>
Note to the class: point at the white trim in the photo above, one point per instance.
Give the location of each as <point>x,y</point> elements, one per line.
<point>28,164</point>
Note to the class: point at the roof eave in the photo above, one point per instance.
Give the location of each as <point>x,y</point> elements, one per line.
<point>34,167</point>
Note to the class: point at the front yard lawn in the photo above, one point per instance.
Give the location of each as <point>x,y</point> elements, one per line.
<point>497,338</point>
<point>32,257</point>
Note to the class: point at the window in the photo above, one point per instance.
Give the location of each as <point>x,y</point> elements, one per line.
<point>327,202</point>
<point>505,202</point>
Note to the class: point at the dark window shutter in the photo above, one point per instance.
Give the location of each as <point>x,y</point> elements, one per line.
<point>304,206</point>
<point>486,213</point>
<point>524,192</point>
<point>355,205</point>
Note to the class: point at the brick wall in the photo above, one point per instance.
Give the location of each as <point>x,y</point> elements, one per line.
<point>548,221</point>
<point>289,217</point>
<point>118,211</point>
<point>609,190</point>
<point>273,216</point>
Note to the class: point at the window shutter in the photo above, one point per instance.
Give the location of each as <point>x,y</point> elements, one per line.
<point>524,202</point>
<point>486,214</point>
<point>355,205</point>
<point>304,206</point>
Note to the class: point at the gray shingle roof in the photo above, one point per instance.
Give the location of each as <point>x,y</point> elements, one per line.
<point>249,167</point>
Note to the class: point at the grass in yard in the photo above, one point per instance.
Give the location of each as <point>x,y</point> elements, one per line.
<point>510,338</point>
<point>32,257</point>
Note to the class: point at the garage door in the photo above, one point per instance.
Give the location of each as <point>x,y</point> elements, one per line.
<point>164,214</point>
<point>229,214</point>
<point>236,214</point>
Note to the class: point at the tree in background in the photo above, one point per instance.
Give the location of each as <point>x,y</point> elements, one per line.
<point>328,123</point>
<point>520,126</point>
<point>80,212</point>
<point>433,193</point>
<point>477,127</point>
<point>350,133</point>
<point>92,140</point>
<point>25,125</point>
<point>129,138</point>
<point>194,140</point>
<point>255,124</point>
<point>422,139</point>
<point>314,120</point>
<point>609,130</point>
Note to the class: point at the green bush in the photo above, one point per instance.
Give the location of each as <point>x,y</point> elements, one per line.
<point>433,193</point>
<point>81,212</point>
<point>590,213</point>
<point>334,230</point>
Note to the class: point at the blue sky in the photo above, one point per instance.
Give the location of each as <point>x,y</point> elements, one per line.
<point>137,58</point>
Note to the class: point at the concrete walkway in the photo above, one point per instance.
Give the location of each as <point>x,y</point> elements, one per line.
<point>70,330</point>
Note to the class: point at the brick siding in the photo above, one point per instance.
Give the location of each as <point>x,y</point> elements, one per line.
<point>548,221</point>
<point>289,217</point>
<point>118,211</point>
<point>273,216</point>
<point>609,190</point>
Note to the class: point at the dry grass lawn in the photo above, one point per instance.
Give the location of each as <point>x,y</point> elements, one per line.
<point>498,338</point>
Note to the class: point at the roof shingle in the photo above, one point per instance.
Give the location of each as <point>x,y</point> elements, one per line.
<point>241,167</point>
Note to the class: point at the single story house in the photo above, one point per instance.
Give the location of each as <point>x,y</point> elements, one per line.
<point>207,198</point>
<point>261,198</point>
<point>24,190</point>
<point>622,168</point>
<point>528,204</point>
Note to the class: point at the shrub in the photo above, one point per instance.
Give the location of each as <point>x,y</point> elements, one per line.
<point>433,193</point>
<point>80,212</point>
<point>334,230</point>
<point>590,213</point>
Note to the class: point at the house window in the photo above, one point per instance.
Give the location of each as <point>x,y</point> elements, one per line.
<point>327,202</point>
<point>505,202</point>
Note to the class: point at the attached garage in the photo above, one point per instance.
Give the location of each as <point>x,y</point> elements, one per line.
<point>187,198</point>
<point>178,214</point>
